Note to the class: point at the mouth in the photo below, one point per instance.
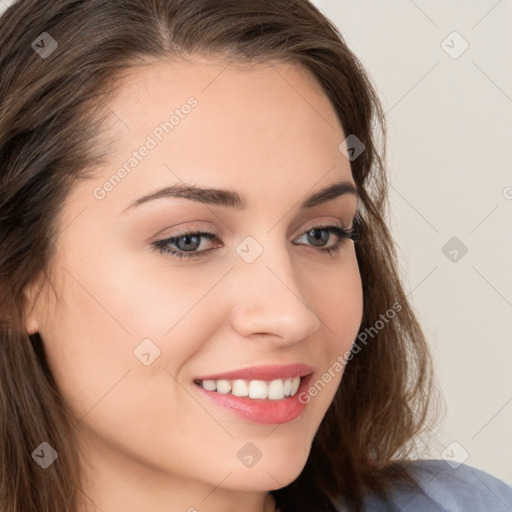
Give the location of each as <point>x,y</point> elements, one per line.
<point>276,389</point>
<point>269,394</point>
<point>272,382</point>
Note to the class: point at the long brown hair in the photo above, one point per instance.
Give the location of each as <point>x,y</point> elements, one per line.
<point>52,98</point>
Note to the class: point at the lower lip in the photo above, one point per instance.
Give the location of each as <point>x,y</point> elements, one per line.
<point>261,410</point>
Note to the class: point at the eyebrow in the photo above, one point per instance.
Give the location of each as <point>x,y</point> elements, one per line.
<point>232,199</point>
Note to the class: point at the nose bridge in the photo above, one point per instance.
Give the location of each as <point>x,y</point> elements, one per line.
<point>269,300</point>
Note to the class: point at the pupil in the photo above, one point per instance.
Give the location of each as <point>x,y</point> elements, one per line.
<point>188,238</point>
<point>321,238</point>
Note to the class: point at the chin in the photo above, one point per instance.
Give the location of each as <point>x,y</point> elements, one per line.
<point>278,471</point>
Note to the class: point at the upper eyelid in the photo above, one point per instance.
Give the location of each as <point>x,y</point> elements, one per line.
<point>314,225</point>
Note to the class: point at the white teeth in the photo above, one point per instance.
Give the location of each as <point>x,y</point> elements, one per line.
<point>276,389</point>
<point>287,386</point>
<point>258,389</point>
<point>223,386</point>
<point>294,385</point>
<point>240,388</point>
<point>210,385</point>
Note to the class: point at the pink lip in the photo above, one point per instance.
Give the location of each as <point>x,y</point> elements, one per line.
<point>263,372</point>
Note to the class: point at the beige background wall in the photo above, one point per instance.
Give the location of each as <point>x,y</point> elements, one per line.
<point>450,161</point>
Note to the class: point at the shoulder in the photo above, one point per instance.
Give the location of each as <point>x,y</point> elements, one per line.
<point>446,488</point>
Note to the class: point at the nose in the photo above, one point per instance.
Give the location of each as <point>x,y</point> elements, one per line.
<point>270,303</point>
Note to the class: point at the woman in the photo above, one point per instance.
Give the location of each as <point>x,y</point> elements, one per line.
<point>201,309</point>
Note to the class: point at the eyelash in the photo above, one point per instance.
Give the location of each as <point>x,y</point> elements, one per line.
<point>163,245</point>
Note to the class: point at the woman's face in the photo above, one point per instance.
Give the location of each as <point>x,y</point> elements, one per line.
<point>136,328</point>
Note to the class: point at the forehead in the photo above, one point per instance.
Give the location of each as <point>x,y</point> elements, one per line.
<point>225,125</point>
<point>250,99</point>
<point>215,80</point>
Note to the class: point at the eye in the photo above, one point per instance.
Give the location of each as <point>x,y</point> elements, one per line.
<point>318,235</point>
<point>185,244</point>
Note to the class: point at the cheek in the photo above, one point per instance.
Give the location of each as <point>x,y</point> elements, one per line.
<point>345,306</point>
<point>168,304</point>
<point>337,297</point>
<point>111,307</point>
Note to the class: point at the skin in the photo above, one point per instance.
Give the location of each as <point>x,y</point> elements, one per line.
<point>148,441</point>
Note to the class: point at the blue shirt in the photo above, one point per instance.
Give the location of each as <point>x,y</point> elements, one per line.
<point>446,489</point>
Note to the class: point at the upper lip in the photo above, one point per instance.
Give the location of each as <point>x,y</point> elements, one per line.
<point>263,372</point>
